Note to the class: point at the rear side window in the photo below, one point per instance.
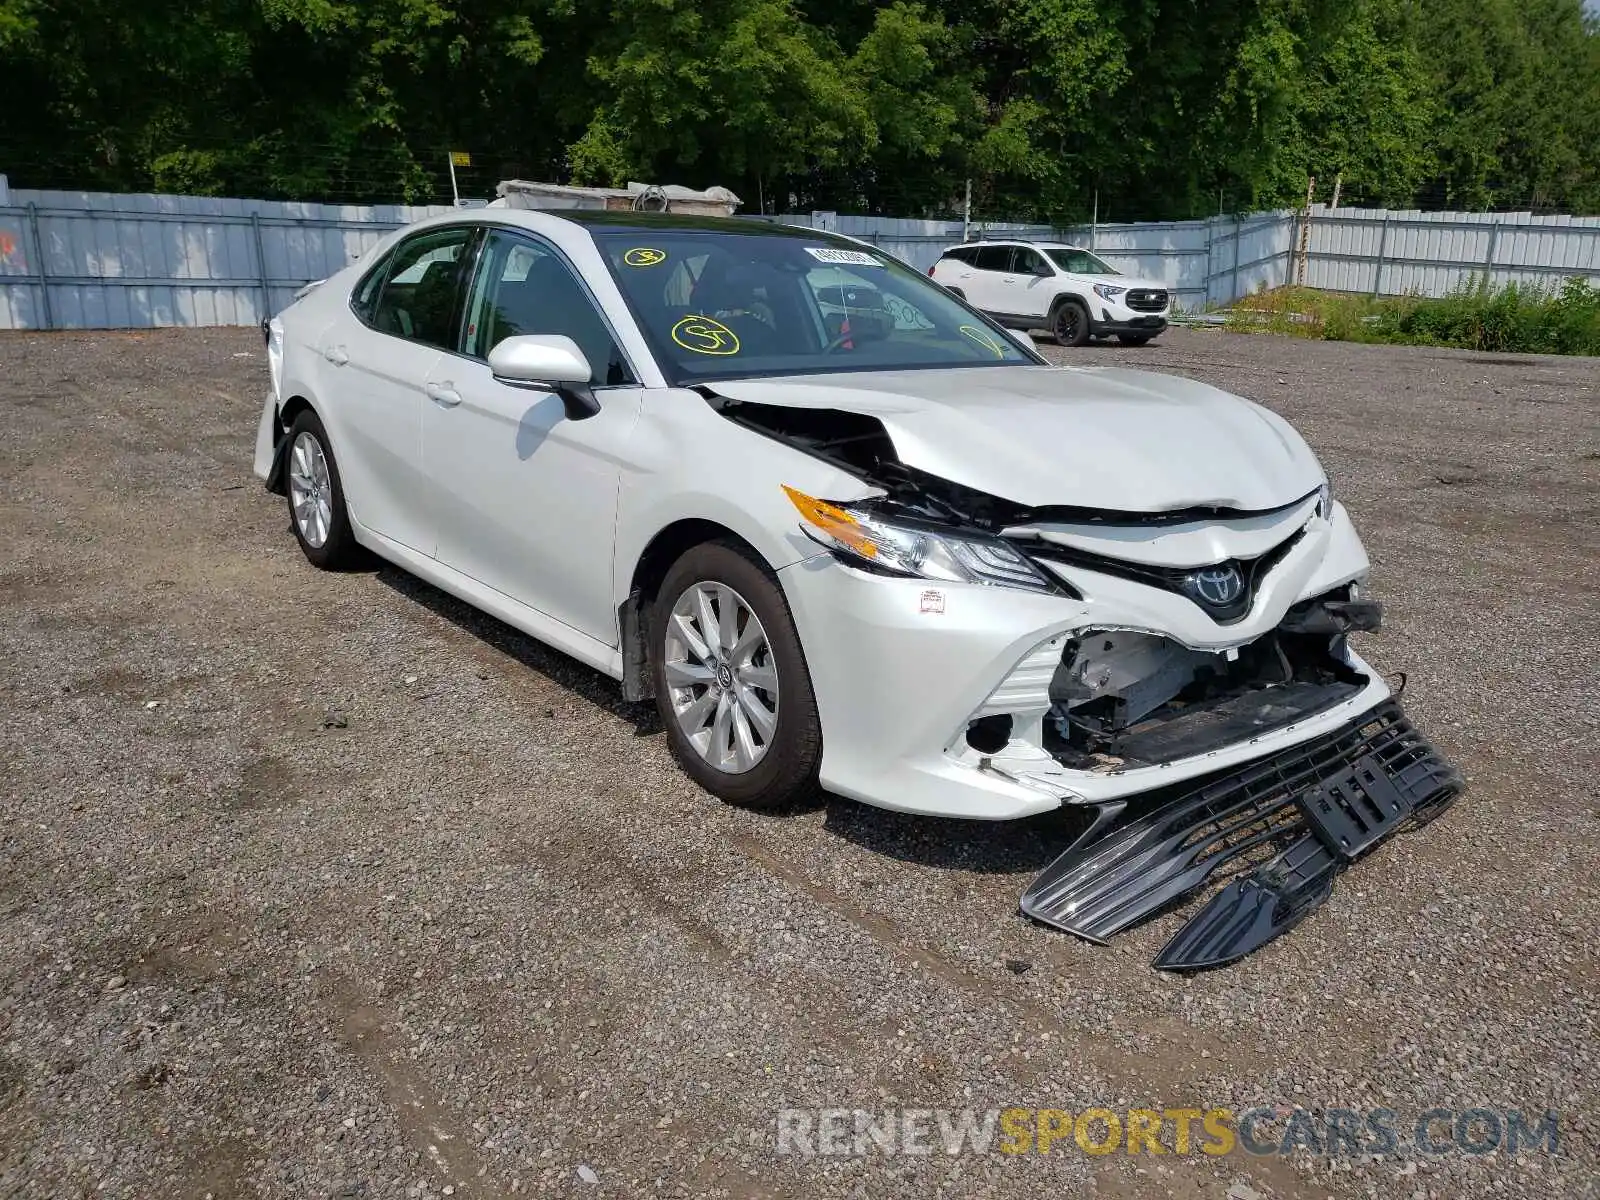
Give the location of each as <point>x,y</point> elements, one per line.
<point>960,254</point>
<point>421,295</point>
<point>994,258</point>
<point>365,298</point>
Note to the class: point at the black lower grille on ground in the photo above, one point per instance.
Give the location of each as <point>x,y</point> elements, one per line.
<point>1279,829</point>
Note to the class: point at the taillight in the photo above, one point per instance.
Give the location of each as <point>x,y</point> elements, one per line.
<point>930,271</point>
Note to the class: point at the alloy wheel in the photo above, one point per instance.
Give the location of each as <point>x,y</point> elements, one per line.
<point>722,677</point>
<point>310,490</point>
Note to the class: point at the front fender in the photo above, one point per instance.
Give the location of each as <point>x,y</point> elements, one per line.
<point>690,463</point>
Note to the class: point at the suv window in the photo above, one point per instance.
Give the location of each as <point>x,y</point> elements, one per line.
<point>1081,262</point>
<point>1028,262</point>
<point>993,258</point>
<point>421,295</point>
<point>961,254</point>
<point>523,286</point>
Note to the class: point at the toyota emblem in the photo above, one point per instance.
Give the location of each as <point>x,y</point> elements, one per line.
<point>1218,587</point>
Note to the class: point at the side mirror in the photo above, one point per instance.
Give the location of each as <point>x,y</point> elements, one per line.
<point>1024,339</point>
<point>547,362</point>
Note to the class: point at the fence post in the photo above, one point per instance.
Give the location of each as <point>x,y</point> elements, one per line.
<point>261,267</point>
<point>1383,244</point>
<point>1238,222</point>
<point>38,259</point>
<point>1211,230</point>
<point>1488,260</point>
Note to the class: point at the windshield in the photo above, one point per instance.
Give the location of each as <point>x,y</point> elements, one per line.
<point>726,305</point>
<point>1081,262</point>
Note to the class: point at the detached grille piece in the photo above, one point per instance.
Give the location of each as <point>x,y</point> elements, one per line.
<point>1251,826</point>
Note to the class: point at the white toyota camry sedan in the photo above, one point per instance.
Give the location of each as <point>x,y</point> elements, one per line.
<point>847,531</point>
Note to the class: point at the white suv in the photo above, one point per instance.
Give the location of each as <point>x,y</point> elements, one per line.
<point>1050,285</point>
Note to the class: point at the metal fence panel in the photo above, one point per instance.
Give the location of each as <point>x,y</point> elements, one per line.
<point>97,260</point>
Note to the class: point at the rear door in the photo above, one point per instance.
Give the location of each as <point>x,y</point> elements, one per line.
<point>380,361</point>
<point>992,280</point>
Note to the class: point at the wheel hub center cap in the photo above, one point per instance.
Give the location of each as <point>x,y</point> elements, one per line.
<point>724,676</point>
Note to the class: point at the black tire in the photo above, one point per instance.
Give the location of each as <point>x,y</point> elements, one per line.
<point>787,773</point>
<point>339,551</point>
<point>1069,323</point>
<point>1133,339</point>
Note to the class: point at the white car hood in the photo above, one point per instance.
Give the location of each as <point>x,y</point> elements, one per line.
<point>1088,437</point>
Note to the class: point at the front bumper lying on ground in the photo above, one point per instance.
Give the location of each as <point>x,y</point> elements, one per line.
<point>1280,828</point>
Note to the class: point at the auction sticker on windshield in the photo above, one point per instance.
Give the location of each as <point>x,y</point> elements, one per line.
<point>853,258</point>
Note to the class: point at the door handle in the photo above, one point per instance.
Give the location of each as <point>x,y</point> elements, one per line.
<point>442,394</point>
<point>337,355</point>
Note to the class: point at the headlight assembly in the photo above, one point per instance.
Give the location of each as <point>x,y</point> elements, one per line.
<point>1107,292</point>
<point>1325,499</point>
<point>915,551</point>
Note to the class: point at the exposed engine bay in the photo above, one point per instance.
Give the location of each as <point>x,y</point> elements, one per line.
<point>1122,698</point>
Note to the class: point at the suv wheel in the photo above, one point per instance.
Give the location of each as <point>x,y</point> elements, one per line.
<point>1069,323</point>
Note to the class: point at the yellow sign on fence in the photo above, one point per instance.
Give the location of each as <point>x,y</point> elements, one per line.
<point>460,158</point>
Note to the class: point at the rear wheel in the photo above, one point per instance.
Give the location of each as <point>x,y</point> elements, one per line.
<point>1133,339</point>
<point>731,681</point>
<point>1069,323</point>
<point>317,510</point>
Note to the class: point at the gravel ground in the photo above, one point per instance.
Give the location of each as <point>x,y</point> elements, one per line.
<point>323,885</point>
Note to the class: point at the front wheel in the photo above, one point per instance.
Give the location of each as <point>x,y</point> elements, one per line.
<point>731,681</point>
<point>1069,323</point>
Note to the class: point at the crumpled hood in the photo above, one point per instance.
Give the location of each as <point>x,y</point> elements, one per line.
<point>1088,437</point>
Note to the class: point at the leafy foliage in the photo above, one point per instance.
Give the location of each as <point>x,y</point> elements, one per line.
<point>1152,108</point>
<point>1509,319</point>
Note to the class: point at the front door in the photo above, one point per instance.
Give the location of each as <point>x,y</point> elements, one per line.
<point>527,495</point>
<point>1035,283</point>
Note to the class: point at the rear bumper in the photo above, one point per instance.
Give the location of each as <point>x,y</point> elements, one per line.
<point>1282,828</point>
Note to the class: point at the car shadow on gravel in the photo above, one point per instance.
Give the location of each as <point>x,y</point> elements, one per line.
<point>577,677</point>
<point>987,847</point>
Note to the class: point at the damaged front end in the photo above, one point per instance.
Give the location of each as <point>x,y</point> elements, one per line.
<point>1195,692</point>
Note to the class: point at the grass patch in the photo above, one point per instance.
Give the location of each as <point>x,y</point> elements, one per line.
<point>1512,319</point>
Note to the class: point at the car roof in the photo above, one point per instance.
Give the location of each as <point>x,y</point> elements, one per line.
<point>1016,242</point>
<point>608,220</point>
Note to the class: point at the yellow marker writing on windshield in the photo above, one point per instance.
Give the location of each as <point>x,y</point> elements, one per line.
<point>644,256</point>
<point>984,338</point>
<point>705,335</point>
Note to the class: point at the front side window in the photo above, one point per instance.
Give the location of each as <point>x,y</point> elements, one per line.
<point>1081,262</point>
<point>524,287</point>
<point>422,293</point>
<point>1028,262</point>
<point>725,305</point>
